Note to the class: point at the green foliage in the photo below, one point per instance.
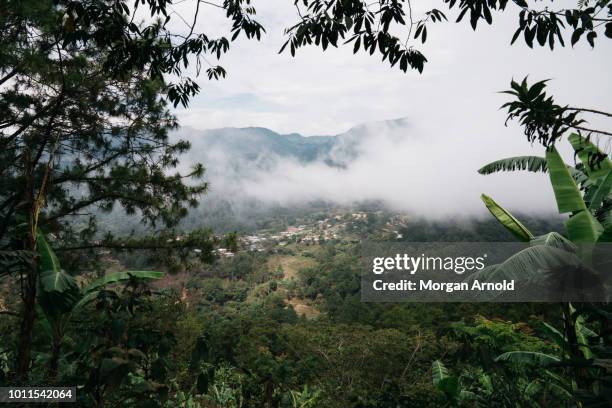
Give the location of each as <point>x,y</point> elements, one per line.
<point>307,398</point>
<point>595,163</point>
<point>567,193</point>
<point>86,92</point>
<point>533,164</point>
<point>527,357</point>
<point>58,291</point>
<point>507,220</point>
<point>586,195</point>
<point>374,26</point>
<point>541,118</point>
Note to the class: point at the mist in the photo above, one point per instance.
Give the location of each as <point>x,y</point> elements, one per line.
<point>409,167</point>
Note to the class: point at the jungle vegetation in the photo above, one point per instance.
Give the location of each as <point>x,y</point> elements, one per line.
<point>86,91</point>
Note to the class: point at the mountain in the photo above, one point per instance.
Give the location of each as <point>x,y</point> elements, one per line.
<point>253,171</point>
<point>253,142</point>
<point>243,148</point>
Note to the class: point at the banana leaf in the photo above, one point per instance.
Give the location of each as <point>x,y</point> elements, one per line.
<point>597,194</point>
<point>530,263</point>
<point>583,227</point>
<point>567,193</point>
<point>554,239</point>
<point>57,290</point>
<point>47,258</point>
<point>530,163</point>
<point>122,277</point>
<point>586,151</point>
<point>507,220</point>
<point>528,358</point>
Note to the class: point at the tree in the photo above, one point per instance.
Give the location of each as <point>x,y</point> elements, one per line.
<point>545,121</point>
<point>371,26</point>
<point>585,192</point>
<point>59,296</point>
<point>84,99</point>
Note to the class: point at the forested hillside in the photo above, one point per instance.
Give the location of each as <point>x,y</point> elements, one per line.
<point>145,262</point>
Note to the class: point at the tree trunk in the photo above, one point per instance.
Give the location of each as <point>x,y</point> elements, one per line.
<point>24,354</point>
<point>572,340</point>
<point>54,361</point>
<point>269,393</point>
<point>30,282</point>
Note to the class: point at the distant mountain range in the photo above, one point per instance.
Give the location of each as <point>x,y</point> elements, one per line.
<point>241,162</point>
<point>262,148</point>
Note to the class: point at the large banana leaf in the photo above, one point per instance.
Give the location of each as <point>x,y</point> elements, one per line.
<point>507,220</point>
<point>555,335</point>
<point>567,193</point>
<point>47,258</point>
<point>586,150</point>
<point>598,193</point>
<point>529,263</point>
<point>529,163</point>
<point>122,277</point>
<point>90,292</point>
<point>559,383</point>
<point>583,227</point>
<point>554,239</point>
<point>57,291</point>
<point>606,235</point>
<point>583,333</point>
<point>525,358</point>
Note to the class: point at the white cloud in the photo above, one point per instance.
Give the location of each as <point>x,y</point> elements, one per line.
<point>453,107</point>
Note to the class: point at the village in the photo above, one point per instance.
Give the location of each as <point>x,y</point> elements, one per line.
<point>341,226</point>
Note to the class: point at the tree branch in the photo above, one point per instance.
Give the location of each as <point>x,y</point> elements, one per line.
<point>591,111</point>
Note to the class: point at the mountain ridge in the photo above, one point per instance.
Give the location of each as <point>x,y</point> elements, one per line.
<point>264,146</point>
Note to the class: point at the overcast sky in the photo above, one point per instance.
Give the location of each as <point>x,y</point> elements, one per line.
<point>455,102</point>
<point>327,92</point>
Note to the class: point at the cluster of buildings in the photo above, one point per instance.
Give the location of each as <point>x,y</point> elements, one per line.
<point>224,253</point>
<point>323,230</point>
<point>326,229</point>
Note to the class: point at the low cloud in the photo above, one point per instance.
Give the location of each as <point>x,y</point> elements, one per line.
<point>408,167</point>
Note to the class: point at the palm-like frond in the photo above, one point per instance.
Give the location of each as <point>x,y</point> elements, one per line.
<point>532,358</point>
<point>122,277</point>
<point>438,372</point>
<point>529,163</point>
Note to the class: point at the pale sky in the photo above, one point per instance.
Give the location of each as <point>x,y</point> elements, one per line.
<point>327,92</point>
<point>455,102</point>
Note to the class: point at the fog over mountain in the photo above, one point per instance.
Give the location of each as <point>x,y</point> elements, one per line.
<point>394,161</point>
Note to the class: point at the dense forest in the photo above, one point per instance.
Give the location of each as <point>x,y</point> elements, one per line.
<point>111,285</point>
<point>287,327</point>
